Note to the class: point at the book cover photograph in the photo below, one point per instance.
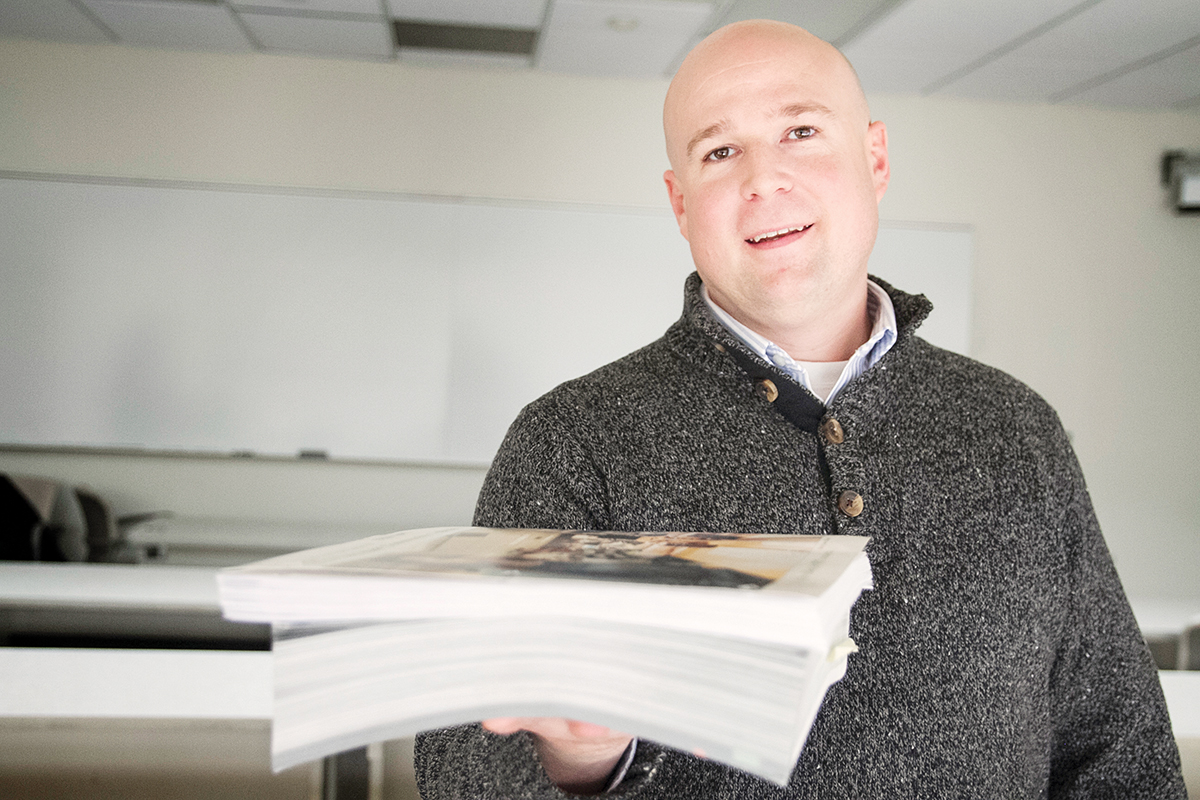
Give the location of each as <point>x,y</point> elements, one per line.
<point>731,560</point>
<point>720,643</point>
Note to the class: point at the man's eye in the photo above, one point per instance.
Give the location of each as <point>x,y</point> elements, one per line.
<point>803,132</point>
<point>720,154</point>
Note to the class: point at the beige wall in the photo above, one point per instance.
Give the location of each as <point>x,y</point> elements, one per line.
<point>278,121</point>
<point>1083,280</point>
<point>1084,287</point>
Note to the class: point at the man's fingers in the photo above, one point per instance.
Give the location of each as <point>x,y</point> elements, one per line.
<point>548,727</point>
<point>503,725</point>
<point>587,730</point>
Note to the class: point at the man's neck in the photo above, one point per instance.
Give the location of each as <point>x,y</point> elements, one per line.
<point>833,335</point>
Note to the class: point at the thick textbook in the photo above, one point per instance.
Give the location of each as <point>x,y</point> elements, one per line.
<point>717,643</point>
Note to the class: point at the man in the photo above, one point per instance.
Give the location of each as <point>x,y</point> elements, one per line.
<point>998,656</point>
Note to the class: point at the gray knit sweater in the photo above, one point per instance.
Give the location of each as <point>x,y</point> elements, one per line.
<point>998,655</point>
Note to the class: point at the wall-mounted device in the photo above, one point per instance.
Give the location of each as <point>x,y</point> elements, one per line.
<point>1181,174</point>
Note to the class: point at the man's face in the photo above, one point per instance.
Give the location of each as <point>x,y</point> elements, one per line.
<point>776,175</point>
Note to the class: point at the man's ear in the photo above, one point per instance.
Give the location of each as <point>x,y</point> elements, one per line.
<point>877,155</point>
<point>675,193</point>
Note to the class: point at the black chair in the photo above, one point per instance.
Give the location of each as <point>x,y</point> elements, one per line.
<point>44,520</point>
<point>1189,647</point>
<point>40,520</point>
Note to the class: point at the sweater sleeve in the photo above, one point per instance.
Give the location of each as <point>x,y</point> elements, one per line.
<point>1111,737</point>
<point>539,479</point>
<point>544,475</point>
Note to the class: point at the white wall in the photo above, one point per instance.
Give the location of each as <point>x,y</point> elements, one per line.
<point>1083,281</point>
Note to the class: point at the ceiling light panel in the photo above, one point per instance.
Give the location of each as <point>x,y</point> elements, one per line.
<point>484,13</point>
<point>464,38</point>
<point>372,8</point>
<point>174,24</point>
<point>321,37</point>
<point>922,42</point>
<point>620,39</point>
<point>48,19</point>
<point>1100,40</point>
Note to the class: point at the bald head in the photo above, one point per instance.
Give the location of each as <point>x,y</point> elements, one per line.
<point>726,54</point>
<point>776,176</point>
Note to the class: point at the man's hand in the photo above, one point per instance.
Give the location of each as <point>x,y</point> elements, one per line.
<point>578,756</point>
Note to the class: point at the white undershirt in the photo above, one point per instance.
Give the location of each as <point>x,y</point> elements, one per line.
<point>822,376</point>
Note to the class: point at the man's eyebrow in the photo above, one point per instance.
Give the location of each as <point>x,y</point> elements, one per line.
<point>790,110</point>
<point>798,109</point>
<point>710,131</point>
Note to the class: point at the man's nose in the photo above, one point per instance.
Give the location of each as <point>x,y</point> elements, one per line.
<point>764,174</point>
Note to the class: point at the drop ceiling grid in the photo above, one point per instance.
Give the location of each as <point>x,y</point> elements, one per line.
<point>923,41</point>
<point>1111,52</point>
<point>53,19</point>
<point>1101,39</point>
<point>330,37</point>
<point>831,21</point>
<point>1171,82</point>
<point>190,26</point>
<point>579,36</point>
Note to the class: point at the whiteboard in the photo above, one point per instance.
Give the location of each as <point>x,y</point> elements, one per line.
<point>218,319</point>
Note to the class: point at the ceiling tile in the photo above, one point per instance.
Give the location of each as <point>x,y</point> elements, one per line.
<point>1108,52</point>
<point>492,13</point>
<point>1099,40</point>
<point>922,41</point>
<point>620,39</point>
<point>1172,81</point>
<point>369,7</point>
<point>830,21</point>
<point>48,19</point>
<point>1021,78</point>
<point>323,37</point>
<point>171,23</point>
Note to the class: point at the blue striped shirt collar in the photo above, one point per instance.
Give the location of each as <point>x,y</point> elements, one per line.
<point>883,336</point>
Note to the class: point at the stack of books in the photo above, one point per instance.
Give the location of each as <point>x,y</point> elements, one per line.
<point>718,644</point>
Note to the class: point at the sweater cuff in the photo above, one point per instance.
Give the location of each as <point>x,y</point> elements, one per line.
<point>622,768</point>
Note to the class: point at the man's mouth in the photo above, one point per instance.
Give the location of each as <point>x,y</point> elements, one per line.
<point>775,236</point>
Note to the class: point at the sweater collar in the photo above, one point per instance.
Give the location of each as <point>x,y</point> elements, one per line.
<point>699,334</point>
<point>911,310</point>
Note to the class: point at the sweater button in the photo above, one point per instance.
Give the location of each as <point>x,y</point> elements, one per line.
<point>767,390</point>
<point>831,429</point>
<point>850,503</point>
